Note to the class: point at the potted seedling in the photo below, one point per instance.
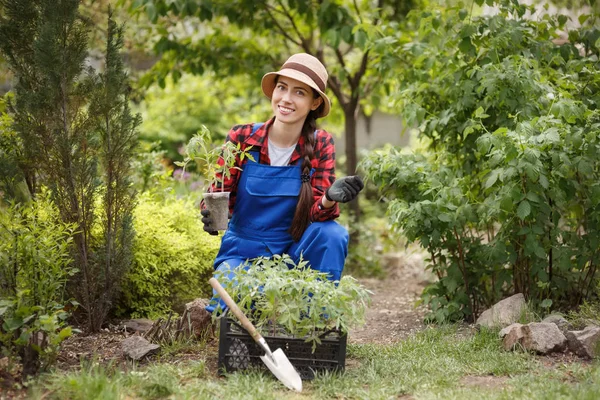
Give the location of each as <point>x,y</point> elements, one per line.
<point>294,307</point>
<point>201,151</point>
<point>276,291</point>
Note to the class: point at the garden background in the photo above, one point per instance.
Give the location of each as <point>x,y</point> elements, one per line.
<point>498,192</point>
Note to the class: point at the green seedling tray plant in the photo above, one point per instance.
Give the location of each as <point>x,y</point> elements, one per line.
<point>278,294</point>
<point>201,150</point>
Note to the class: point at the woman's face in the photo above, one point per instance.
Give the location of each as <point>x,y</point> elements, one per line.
<point>292,100</point>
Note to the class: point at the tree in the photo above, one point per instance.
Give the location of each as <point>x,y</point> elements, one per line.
<point>253,37</point>
<point>78,134</point>
<point>116,127</point>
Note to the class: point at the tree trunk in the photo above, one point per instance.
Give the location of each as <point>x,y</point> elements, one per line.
<point>350,114</point>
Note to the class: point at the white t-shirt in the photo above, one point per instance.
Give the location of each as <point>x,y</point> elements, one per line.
<point>280,155</point>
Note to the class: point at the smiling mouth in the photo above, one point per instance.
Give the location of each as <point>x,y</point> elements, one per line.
<point>285,110</point>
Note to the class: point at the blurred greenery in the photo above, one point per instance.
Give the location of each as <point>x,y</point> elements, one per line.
<point>173,114</point>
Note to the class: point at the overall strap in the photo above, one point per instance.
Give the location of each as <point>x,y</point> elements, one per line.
<point>256,126</point>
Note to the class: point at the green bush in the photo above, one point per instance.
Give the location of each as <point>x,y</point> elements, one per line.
<point>172,260</point>
<point>35,264</point>
<point>507,200</point>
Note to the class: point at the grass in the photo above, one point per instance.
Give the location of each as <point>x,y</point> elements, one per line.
<point>434,364</point>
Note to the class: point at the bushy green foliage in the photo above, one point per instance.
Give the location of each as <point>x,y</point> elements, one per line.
<point>277,292</point>
<point>173,257</point>
<point>509,199</point>
<point>12,182</point>
<point>35,264</point>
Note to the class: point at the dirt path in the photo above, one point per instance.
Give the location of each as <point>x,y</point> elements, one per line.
<point>392,315</point>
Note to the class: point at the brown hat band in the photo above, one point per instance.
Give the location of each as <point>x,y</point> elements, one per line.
<point>305,70</point>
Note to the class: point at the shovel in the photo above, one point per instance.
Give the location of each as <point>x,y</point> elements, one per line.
<point>276,361</point>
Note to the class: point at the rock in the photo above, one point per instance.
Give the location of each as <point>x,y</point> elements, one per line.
<point>139,325</point>
<point>200,320</point>
<point>136,347</point>
<point>509,328</point>
<point>543,338</point>
<point>585,343</point>
<point>513,334</point>
<point>503,313</point>
<point>559,321</point>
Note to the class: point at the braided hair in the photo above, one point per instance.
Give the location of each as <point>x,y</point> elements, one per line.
<point>305,199</point>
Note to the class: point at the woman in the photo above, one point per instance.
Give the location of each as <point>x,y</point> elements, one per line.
<point>285,200</point>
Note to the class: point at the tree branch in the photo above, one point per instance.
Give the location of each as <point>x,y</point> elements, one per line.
<point>340,58</point>
<point>304,45</point>
<point>335,86</point>
<point>357,11</point>
<point>281,30</point>
<point>361,72</point>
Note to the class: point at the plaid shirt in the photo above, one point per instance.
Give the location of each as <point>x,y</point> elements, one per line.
<point>323,164</point>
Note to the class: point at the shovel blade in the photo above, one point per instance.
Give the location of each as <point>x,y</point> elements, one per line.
<point>283,370</point>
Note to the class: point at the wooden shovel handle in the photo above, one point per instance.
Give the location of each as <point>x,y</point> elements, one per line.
<point>235,309</point>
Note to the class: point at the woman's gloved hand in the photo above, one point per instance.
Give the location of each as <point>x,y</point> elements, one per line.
<point>344,189</point>
<point>207,221</point>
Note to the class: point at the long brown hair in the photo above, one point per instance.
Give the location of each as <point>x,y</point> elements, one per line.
<point>305,199</point>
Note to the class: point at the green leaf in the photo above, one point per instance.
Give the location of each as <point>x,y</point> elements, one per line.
<point>562,19</point>
<point>360,38</point>
<point>492,178</point>
<point>466,46</point>
<point>12,324</point>
<point>445,217</point>
<point>65,333</point>
<point>151,12</point>
<point>547,303</point>
<point>480,113</point>
<point>524,209</point>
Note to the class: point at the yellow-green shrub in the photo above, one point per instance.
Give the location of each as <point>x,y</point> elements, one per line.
<point>173,257</point>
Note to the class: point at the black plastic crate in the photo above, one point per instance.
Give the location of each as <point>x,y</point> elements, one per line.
<point>238,351</point>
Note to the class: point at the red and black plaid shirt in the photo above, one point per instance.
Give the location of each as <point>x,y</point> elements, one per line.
<point>323,164</point>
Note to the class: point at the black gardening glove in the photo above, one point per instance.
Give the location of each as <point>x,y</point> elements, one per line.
<point>345,189</point>
<point>207,221</point>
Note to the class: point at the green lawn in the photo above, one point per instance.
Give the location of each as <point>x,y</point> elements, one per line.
<point>437,363</point>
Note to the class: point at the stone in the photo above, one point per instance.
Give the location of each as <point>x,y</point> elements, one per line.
<point>585,343</point>
<point>138,325</point>
<point>137,347</point>
<point>503,313</point>
<point>200,320</point>
<point>559,321</point>
<point>543,338</point>
<point>506,331</point>
<point>512,337</point>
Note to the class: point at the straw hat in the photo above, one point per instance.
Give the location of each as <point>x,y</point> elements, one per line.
<point>306,69</point>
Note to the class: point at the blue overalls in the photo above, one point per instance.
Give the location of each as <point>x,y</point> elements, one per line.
<point>264,208</point>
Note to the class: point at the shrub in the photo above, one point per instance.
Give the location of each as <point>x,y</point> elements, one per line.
<point>35,264</point>
<point>173,257</point>
<point>508,199</point>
